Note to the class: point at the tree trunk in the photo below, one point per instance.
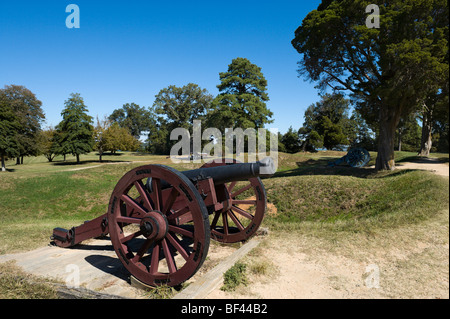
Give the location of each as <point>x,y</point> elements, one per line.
<point>427,123</point>
<point>78,158</point>
<point>400,141</point>
<point>389,119</point>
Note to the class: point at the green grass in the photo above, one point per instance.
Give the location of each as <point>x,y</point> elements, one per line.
<point>388,199</point>
<point>309,196</point>
<point>15,284</point>
<point>235,277</point>
<point>35,197</point>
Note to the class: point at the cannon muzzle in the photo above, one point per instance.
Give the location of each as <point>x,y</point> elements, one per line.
<point>233,172</point>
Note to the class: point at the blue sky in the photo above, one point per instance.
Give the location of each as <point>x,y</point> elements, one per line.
<point>127,51</point>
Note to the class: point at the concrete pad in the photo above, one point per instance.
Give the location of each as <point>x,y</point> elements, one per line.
<point>93,265</point>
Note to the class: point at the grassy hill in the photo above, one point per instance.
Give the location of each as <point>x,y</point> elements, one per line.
<point>38,196</point>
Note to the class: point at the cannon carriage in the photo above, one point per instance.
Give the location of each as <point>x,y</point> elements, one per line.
<point>160,220</point>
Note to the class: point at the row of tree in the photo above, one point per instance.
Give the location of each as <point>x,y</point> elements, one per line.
<point>329,125</point>
<point>393,75</point>
<point>241,102</point>
<point>21,118</point>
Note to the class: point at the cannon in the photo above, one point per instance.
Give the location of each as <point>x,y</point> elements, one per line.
<point>160,220</point>
<point>355,157</point>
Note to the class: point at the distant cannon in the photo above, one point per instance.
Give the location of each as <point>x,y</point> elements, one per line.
<point>160,220</point>
<point>356,157</point>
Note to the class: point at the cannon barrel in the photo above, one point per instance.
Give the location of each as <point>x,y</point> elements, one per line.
<point>233,172</point>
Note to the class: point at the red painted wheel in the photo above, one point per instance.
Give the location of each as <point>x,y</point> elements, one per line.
<point>143,219</point>
<point>247,206</point>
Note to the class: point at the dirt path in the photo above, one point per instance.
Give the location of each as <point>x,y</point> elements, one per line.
<point>407,262</point>
<point>428,164</point>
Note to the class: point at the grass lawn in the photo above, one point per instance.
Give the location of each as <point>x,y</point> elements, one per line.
<point>309,196</point>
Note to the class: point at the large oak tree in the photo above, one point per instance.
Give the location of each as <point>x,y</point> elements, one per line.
<point>389,70</point>
<point>29,116</point>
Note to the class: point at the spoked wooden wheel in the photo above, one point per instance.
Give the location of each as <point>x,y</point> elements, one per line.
<point>245,212</point>
<point>144,224</point>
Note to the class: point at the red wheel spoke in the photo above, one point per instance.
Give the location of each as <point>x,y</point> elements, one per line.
<point>130,237</point>
<point>182,211</point>
<point>144,248</point>
<point>240,191</point>
<point>181,231</point>
<point>128,220</point>
<point>155,259</point>
<point>156,194</point>
<point>130,202</point>
<point>242,212</point>
<point>244,202</point>
<point>215,220</point>
<point>231,186</point>
<point>176,244</point>
<point>169,258</point>
<point>169,202</point>
<point>225,223</point>
<point>235,220</point>
<point>144,195</point>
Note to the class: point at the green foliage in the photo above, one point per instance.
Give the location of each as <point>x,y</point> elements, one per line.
<point>241,102</point>
<point>234,277</point>
<point>359,133</point>
<point>180,106</point>
<point>112,137</point>
<point>176,107</point>
<point>291,141</point>
<point>28,116</point>
<point>387,71</point>
<point>132,117</point>
<point>46,138</point>
<point>325,122</point>
<point>74,134</point>
<point>9,124</point>
<point>408,135</point>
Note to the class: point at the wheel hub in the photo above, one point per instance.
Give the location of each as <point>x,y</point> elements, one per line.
<point>154,225</point>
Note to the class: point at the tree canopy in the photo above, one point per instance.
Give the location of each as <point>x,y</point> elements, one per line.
<point>29,114</point>
<point>388,70</point>
<point>176,107</point>
<point>133,117</point>
<point>20,122</point>
<point>242,97</point>
<point>325,123</point>
<point>9,125</point>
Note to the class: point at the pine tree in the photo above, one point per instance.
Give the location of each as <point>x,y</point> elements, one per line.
<point>242,99</point>
<point>74,134</point>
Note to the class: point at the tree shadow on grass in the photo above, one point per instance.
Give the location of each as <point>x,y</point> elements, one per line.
<point>320,167</point>
<point>70,163</point>
<point>423,160</point>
